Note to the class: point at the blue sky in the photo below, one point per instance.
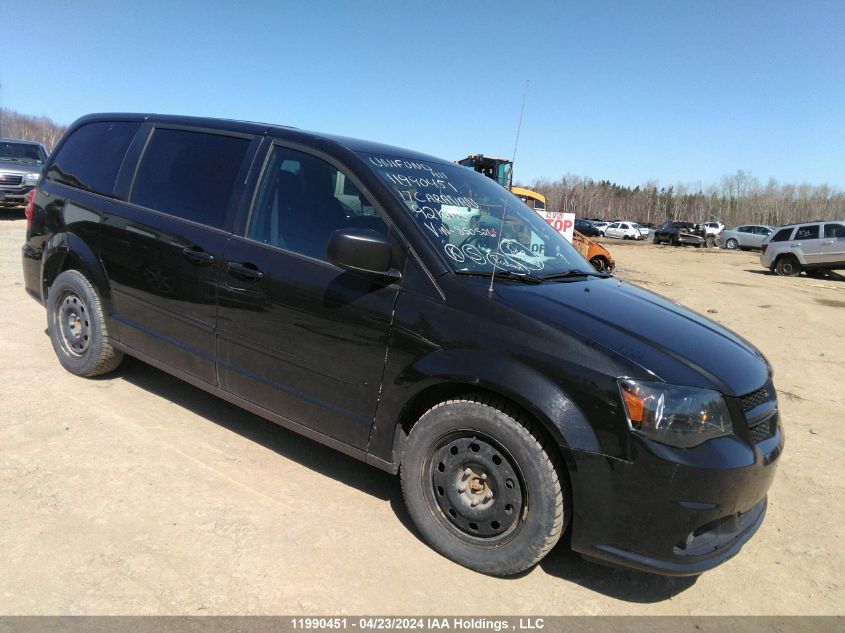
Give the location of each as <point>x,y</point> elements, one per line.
<point>679,91</point>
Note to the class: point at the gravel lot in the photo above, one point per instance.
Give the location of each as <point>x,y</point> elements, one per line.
<point>139,494</point>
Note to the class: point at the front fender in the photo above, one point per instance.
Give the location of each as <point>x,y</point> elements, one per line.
<point>467,370</point>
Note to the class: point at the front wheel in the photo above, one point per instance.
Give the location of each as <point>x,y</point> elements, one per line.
<point>732,244</point>
<point>599,263</point>
<point>481,486</point>
<point>77,328</point>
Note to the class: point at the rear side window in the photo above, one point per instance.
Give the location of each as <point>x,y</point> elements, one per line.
<point>782,235</point>
<point>92,155</point>
<point>834,230</point>
<point>189,174</point>
<point>810,232</point>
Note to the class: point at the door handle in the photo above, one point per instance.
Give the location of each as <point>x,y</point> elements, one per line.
<point>196,255</point>
<point>245,270</point>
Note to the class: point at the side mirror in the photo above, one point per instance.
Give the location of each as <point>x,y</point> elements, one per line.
<point>363,251</point>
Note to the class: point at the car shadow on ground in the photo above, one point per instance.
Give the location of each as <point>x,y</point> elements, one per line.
<point>827,276</point>
<point>630,586</point>
<point>15,213</point>
<point>622,584</point>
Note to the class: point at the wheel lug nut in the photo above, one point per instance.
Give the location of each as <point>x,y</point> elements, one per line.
<point>488,496</point>
<point>467,472</point>
<point>474,503</point>
<point>484,475</point>
<point>462,488</point>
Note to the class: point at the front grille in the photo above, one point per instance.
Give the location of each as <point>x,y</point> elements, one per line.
<point>761,426</point>
<point>8,179</point>
<point>756,398</point>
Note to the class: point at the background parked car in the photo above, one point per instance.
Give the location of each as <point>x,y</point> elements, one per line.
<point>585,227</point>
<point>623,230</point>
<point>644,230</point>
<point>601,226</point>
<point>713,228</point>
<point>20,167</point>
<point>674,233</point>
<point>814,247</point>
<point>746,236</point>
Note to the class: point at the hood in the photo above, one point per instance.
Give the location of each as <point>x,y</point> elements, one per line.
<point>669,342</point>
<point>16,167</point>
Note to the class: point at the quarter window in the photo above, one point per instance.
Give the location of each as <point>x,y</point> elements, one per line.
<point>190,175</point>
<point>834,230</point>
<point>92,155</point>
<point>302,200</point>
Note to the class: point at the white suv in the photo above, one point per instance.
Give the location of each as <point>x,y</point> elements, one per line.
<point>812,246</point>
<point>713,228</point>
<point>623,230</point>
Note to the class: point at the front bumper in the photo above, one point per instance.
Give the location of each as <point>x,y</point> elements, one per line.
<point>14,197</point>
<point>677,512</point>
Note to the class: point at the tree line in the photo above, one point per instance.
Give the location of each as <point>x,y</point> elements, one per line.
<point>31,128</point>
<point>739,198</point>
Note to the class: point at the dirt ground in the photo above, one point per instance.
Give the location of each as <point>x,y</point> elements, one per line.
<point>139,494</point>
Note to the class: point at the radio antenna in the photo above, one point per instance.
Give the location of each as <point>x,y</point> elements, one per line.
<point>519,125</point>
<point>510,183</point>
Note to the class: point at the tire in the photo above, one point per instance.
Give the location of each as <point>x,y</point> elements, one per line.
<point>673,241</point>
<point>732,244</point>
<point>710,241</point>
<point>599,263</point>
<point>77,328</point>
<point>788,266</point>
<point>478,451</point>
<point>655,240</point>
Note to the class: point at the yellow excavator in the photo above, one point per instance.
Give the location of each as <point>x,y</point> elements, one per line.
<point>501,170</point>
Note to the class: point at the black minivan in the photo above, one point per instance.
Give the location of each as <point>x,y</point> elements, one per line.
<point>414,314</point>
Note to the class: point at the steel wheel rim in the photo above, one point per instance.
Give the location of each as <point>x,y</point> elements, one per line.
<point>477,488</point>
<point>74,324</point>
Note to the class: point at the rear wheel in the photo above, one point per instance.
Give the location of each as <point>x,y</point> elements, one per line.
<point>673,241</point>
<point>732,244</point>
<point>787,266</point>
<point>655,240</point>
<point>77,328</point>
<point>481,486</point>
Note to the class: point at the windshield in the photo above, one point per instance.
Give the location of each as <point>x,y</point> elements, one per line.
<point>474,222</point>
<point>21,153</point>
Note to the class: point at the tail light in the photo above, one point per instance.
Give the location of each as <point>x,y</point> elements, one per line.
<point>30,207</point>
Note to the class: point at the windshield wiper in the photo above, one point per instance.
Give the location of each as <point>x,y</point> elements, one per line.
<point>526,278</point>
<point>566,274</point>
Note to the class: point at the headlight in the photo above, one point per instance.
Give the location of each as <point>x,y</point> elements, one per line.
<point>674,415</point>
<point>30,179</point>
